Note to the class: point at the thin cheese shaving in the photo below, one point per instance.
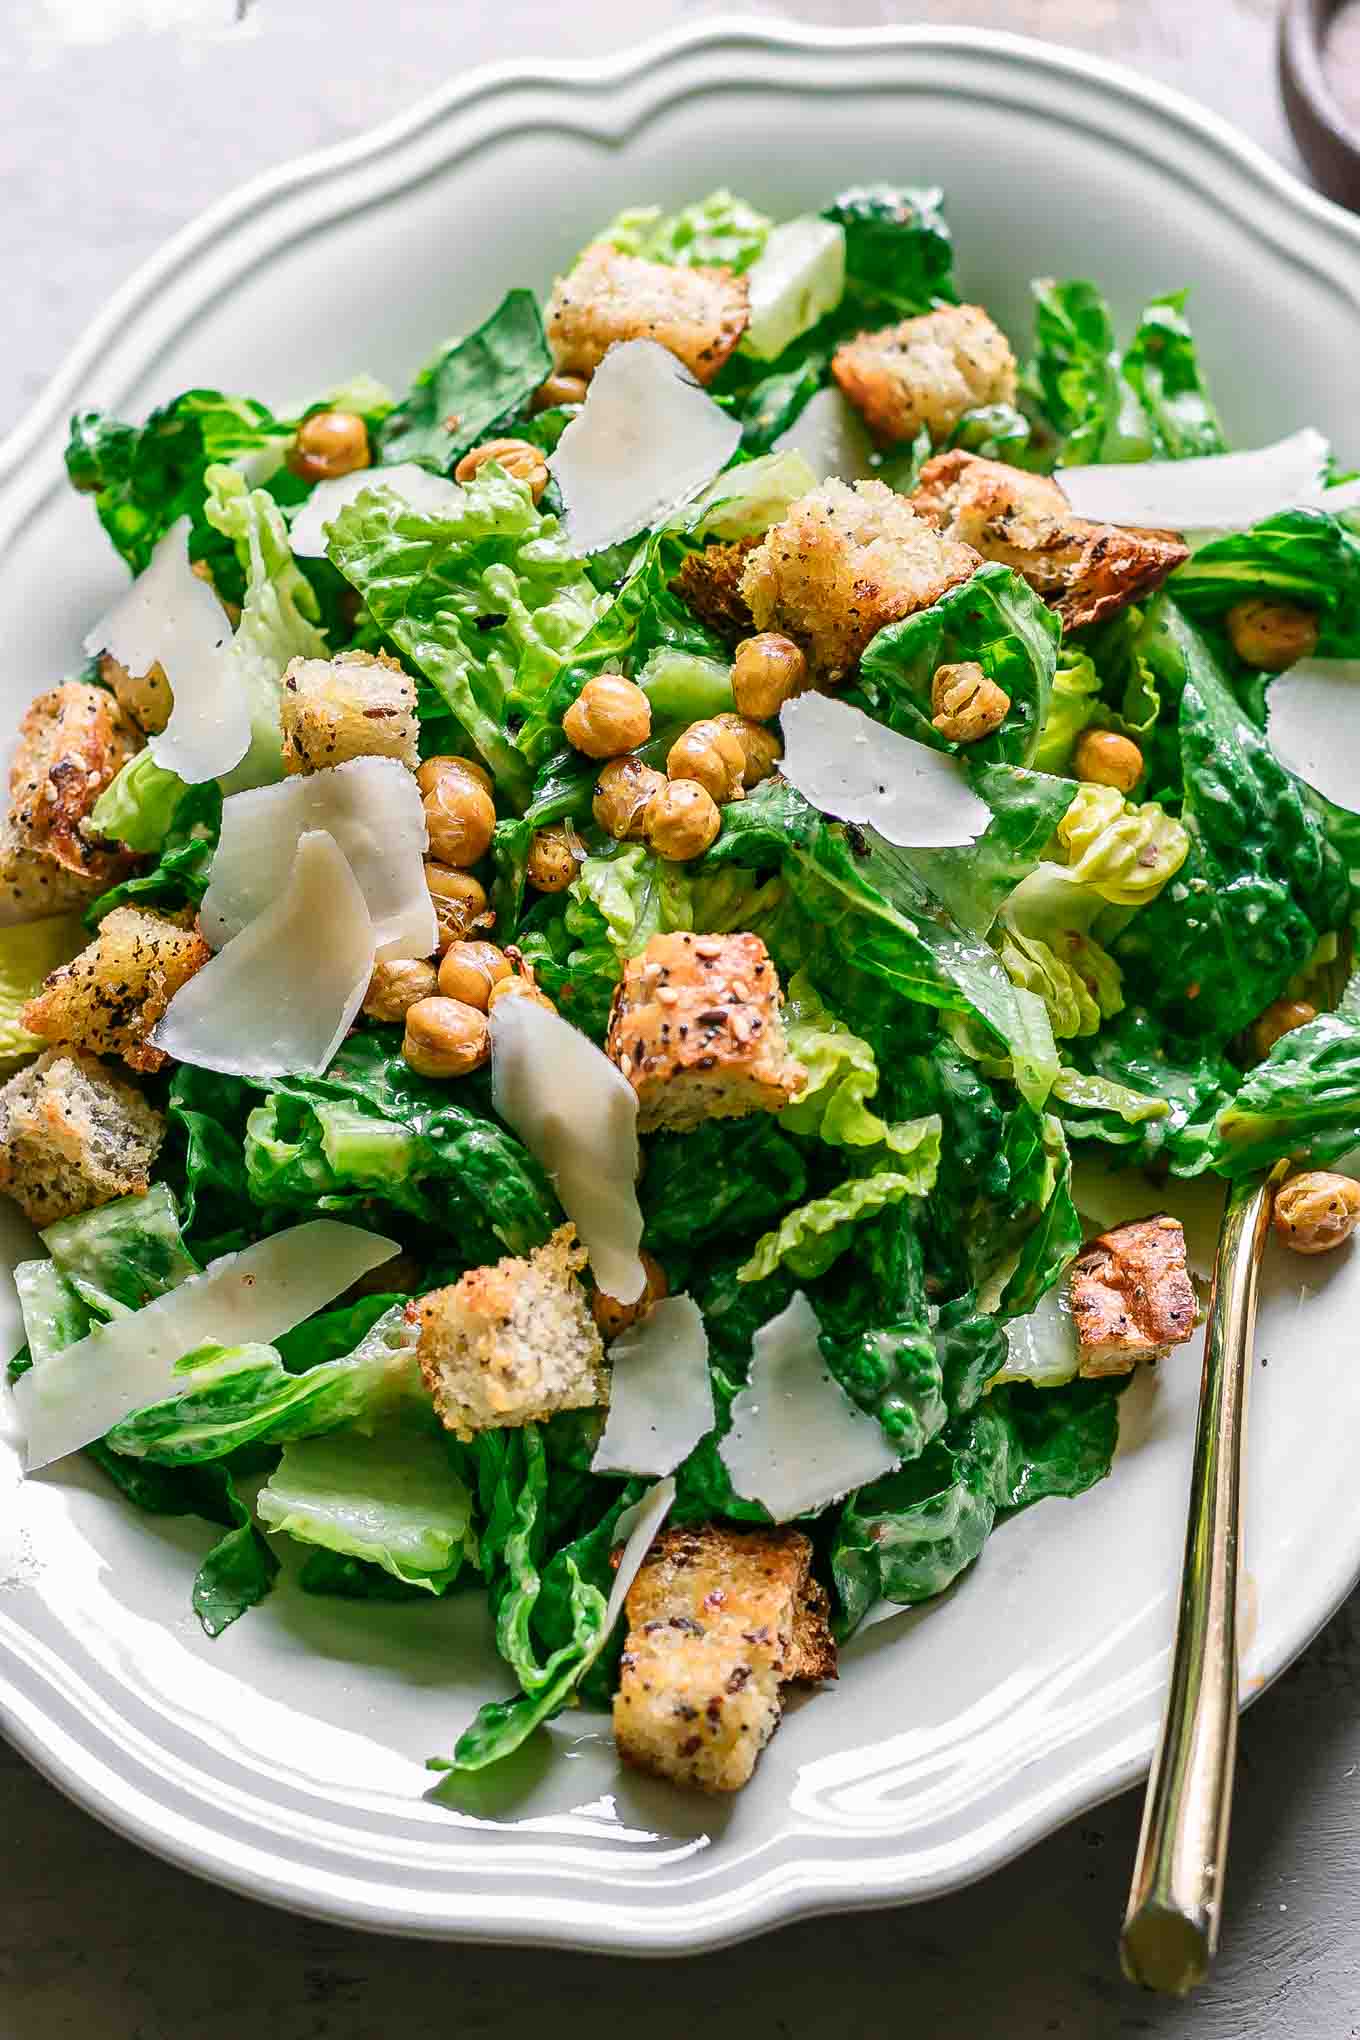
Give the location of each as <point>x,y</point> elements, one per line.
<point>639,1527</point>
<point>797,1441</point>
<point>577,1114</point>
<point>371,807</point>
<point>646,439</point>
<point>281,996</point>
<point>250,1298</point>
<point>660,1396</point>
<point>415,485</point>
<point>1211,492</point>
<point>852,767</point>
<point>830,435</point>
<point>1311,725</point>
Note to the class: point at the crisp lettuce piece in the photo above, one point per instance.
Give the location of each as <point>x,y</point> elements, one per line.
<point>1079,1091</point>
<point>54,1314</point>
<point>1307,557</point>
<point>179,877</point>
<point>391,1499</point>
<point>812,1236</point>
<point>719,230</point>
<point>842,1075</point>
<point>1302,1101</point>
<point>745,500</point>
<point>899,257</point>
<point>121,1255</point>
<point>724,1180</point>
<point>470,389</point>
<point>796,280</point>
<point>1080,985</point>
<point>28,953</point>
<point>1075,374</point>
<point>634,893</point>
<point>1164,1093</point>
<point>1074,705</point>
<point>1161,367</point>
<point>1122,851</point>
<point>974,881</point>
<point>685,687</point>
<point>138,805</point>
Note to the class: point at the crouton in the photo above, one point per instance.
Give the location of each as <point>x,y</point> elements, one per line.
<point>709,583</point>
<point>72,741</point>
<point>719,1621</point>
<point>32,884</point>
<point>145,697</point>
<point>73,1135</point>
<point>356,705</point>
<point>109,998</point>
<point>699,314</point>
<point>1131,1296</point>
<point>844,562</point>
<point>695,1027</point>
<point>513,1343</point>
<point>1084,571</point>
<point>926,371</point>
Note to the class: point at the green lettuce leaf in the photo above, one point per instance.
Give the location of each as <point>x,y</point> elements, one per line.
<point>1300,556</point>
<point>810,1237</point>
<point>55,1316</point>
<point>179,877</point>
<point>391,1499</point>
<point>974,881</point>
<point>1075,373</point>
<point>27,954</point>
<point>1303,1101</point>
<point>1073,706</point>
<point>899,257</point>
<point>120,1256</point>
<point>720,230</point>
<point>842,1075</point>
<point>138,805</point>
<point>471,389</point>
<point>1161,366</point>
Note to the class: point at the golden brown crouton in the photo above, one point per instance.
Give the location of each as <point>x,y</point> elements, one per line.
<point>357,705</point>
<point>926,371</point>
<point>73,1135</point>
<point>32,884</point>
<point>109,998</point>
<point>1131,1295</point>
<point>512,1343</point>
<point>718,1621</point>
<point>844,562</point>
<point>72,742</point>
<point>146,697</point>
<point>696,1029</point>
<point>709,582</point>
<point>1085,571</point>
<point>699,314</point>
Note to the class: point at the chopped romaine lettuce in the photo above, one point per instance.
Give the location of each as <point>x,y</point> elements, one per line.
<point>470,389</point>
<point>391,1499</point>
<point>27,953</point>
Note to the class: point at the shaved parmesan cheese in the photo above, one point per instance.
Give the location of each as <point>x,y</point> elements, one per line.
<point>1209,493</point>
<point>850,766</point>
<point>660,1396</point>
<point>371,807</point>
<point>797,1441</point>
<point>425,492</point>
<point>796,279</point>
<point>280,998</point>
<point>830,435</point>
<point>250,1298</point>
<point>640,1526</point>
<point>169,618</point>
<point>1311,726</point>
<point>646,439</point>
<point>577,1114</point>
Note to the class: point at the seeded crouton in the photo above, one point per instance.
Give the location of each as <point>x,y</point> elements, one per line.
<point>73,1135</point>
<point>109,998</point>
<point>926,371</point>
<point>1131,1296</point>
<point>358,705</point>
<point>699,314</point>
<point>709,583</point>
<point>1084,571</point>
<point>72,741</point>
<point>513,1343</point>
<point>32,884</point>
<point>696,1029</point>
<point>844,562</point>
<point>719,1621</point>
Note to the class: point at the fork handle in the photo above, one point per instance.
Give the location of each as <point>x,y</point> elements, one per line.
<point>1171,1926</point>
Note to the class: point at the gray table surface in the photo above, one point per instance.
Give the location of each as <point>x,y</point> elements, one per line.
<point>122,119</point>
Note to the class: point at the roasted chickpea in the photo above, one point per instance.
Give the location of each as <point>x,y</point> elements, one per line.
<point>395,987</point>
<point>768,669</point>
<point>1317,1211</point>
<point>682,820</point>
<point>516,456</point>
<point>623,793</point>
<point>609,716</point>
<point>470,971</point>
<point>965,705</point>
<point>614,1317</point>
<point>519,988</point>
<point>460,818</point>
<point>712,754</point>
<point>432,771</point>
<point>459,903</point>
<point>760,747</point>
<point>1281,1017</point>
<point>1271,635</point>
<point>555,856</point>
<point>1105,758</point>
<point>445,1038</point>
<point>329,443</point>
<point>559,389</point>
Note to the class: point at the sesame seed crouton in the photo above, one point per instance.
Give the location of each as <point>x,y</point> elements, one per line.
<point>72,742</point>
<point>109,998</point>
<point>32,884</point>
<point>926,371</point>
<point>73,1135</point>
<point>1082,570</point>
<point>709,583</point>
<point>357,705</point>
<point>696,1029</point>
<point>1132,1298</point>
<point>844,562</point>
<point>512,1343</point>
<point>719,1620</point>
<point>699,314</point>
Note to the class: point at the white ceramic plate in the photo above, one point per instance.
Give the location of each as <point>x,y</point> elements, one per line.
<point>286,1759</point>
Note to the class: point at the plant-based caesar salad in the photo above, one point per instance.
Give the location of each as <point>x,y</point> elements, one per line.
<point>562,950</point>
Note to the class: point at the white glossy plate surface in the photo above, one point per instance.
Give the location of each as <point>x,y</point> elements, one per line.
<point>286,1759</point>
